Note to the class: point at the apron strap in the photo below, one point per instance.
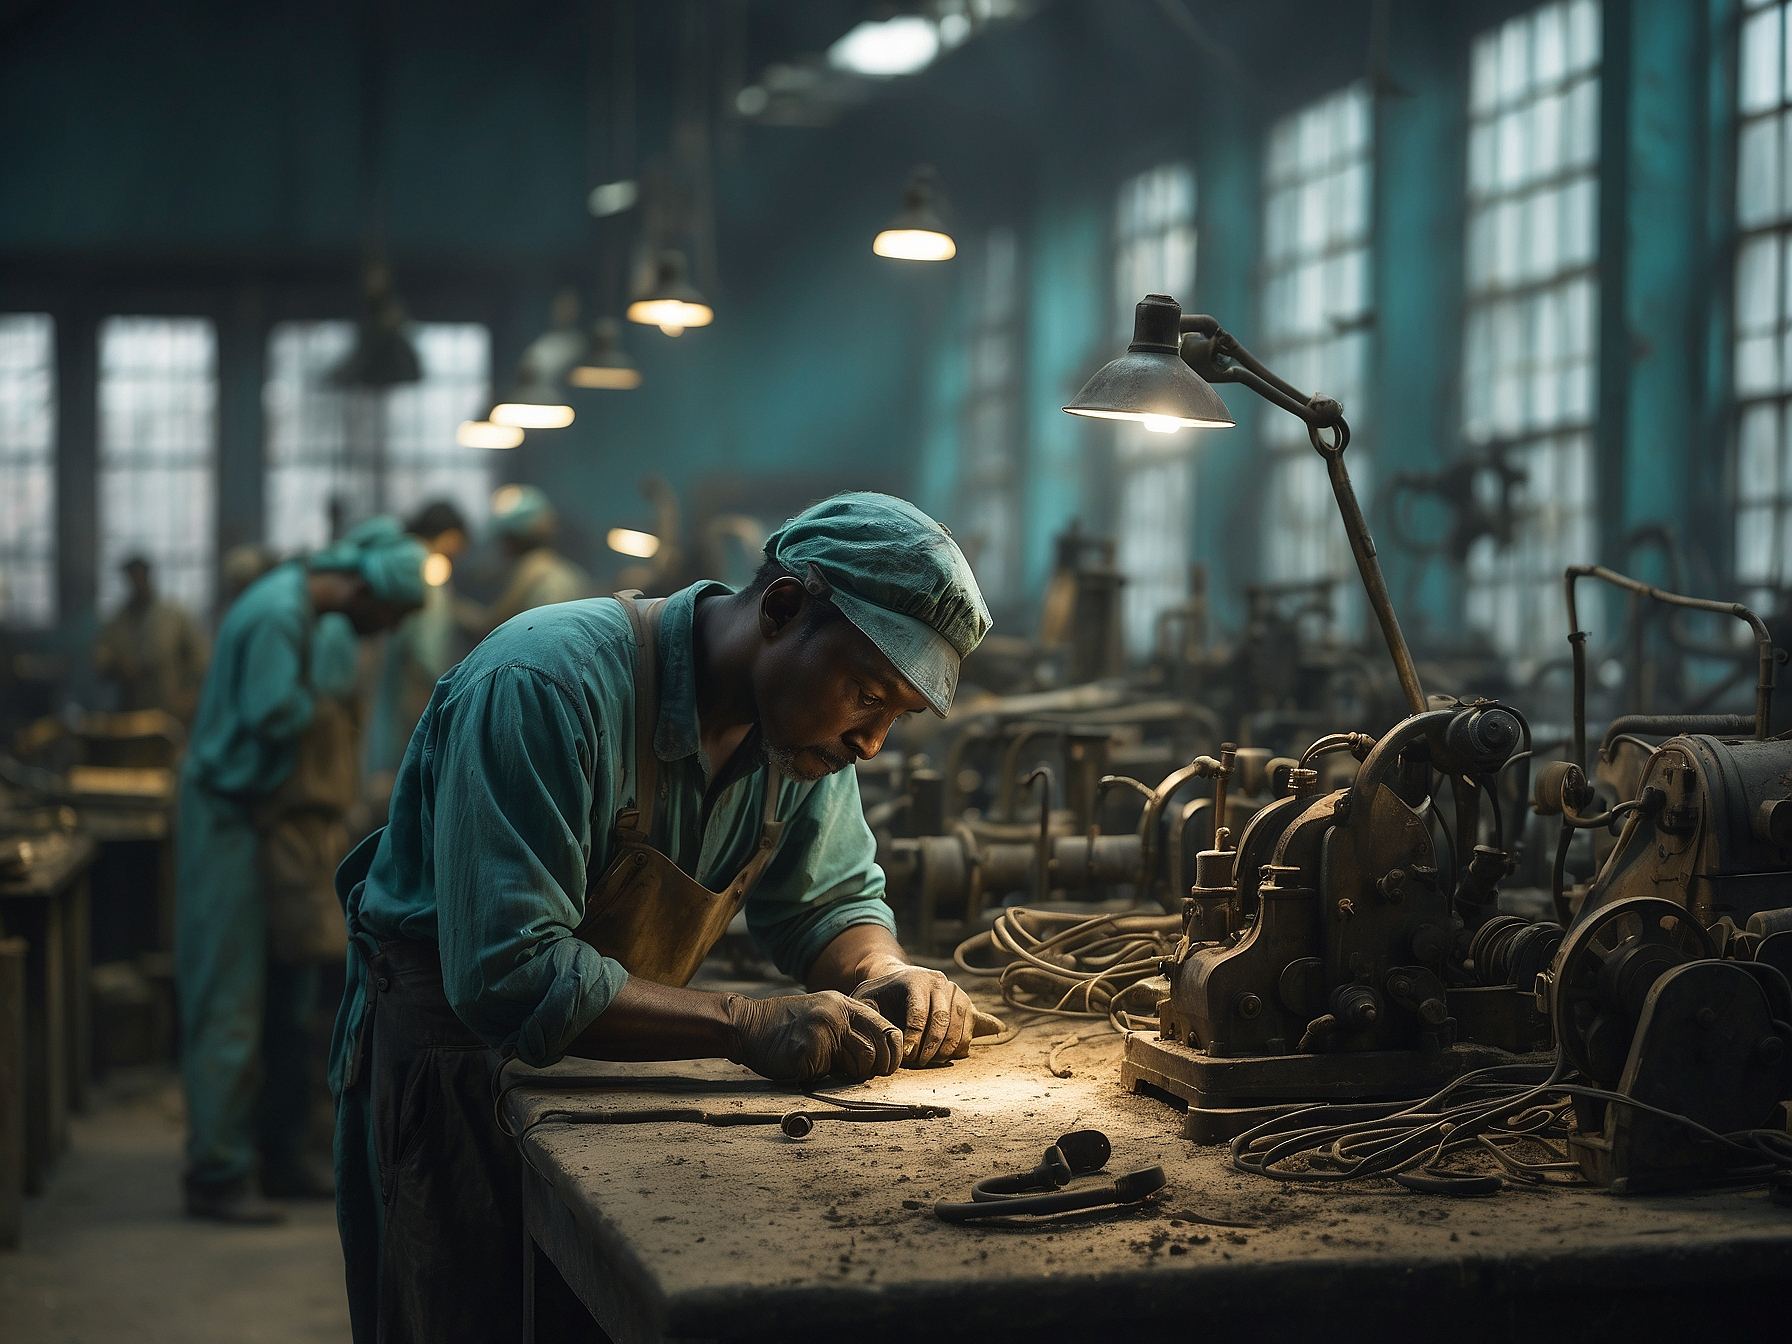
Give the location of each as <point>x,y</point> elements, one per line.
<point>637,822</point>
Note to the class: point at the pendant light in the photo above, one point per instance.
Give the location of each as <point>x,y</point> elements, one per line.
<point>671,302</point>
<point>917,233</point>
<point>535,401</point>
<point>606,364</point>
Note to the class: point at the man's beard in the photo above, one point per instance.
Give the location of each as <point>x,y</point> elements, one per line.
<point>789,761</point>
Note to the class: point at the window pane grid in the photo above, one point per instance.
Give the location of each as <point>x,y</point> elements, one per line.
<point>989,477</point>
<point>27,470</point>
<point>158,430</point>
<point>1316,304</point>
<point>336,456</point>
<point>1154,253</point>
<point>1530,337</point>
<point>1762,349</point>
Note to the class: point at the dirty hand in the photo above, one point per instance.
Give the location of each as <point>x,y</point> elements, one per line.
<point>934,1013</point>
<point>802,1037</point>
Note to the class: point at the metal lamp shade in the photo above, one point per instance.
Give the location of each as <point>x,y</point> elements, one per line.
<point>1150,382</point>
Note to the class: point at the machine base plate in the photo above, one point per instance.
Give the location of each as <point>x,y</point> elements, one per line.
<point>1228,1096</point>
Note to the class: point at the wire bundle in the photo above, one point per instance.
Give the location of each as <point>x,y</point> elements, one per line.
<point>1494,1112</point>
<point>1072,965</point>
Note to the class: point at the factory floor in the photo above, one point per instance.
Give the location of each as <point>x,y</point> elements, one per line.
<point>108,1258</point>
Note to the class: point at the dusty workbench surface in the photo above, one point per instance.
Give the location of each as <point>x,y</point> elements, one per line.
<point>685,1231</point>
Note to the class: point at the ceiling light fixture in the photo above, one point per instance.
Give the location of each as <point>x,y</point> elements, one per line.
<point>606,363</point>
<point>898,46</point>
<point>917,234</point>
<point>627,541</point>
<point>483,433</point>
<point>671,303</point>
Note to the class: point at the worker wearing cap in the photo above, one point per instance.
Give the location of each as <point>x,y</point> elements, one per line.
<point>587,800</point>
<point>270,767</point>
<point>540,576</point>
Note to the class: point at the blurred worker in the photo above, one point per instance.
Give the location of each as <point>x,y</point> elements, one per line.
<point>270,769</point>
<point>418,652</point>
<point>588,799</point>
<point>153,648</point>
<point>239,568</point>
<point>526,525</point>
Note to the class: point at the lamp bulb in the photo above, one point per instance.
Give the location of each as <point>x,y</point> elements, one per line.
<point>672,328</point>
<point>1162,424</point>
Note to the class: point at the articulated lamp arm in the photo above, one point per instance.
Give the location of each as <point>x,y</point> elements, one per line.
<point>1217,356</point>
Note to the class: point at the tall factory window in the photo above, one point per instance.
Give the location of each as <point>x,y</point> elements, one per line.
<point>1530,335</point>
<point>1154,233</point>
<point>1763,353</point>
<point>989,474</point>
<point>27,470</point>
<point>1316,317</point>
<point>158,440</point>
<point>336,456</point>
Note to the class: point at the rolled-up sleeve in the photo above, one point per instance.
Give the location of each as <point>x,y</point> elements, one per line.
<point>511,837</point>
<point>824,878</point>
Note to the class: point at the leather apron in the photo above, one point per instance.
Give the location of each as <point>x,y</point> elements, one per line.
<point>645,911</point>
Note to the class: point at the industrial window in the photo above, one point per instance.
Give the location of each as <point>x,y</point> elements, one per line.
<point>336,456</point>
<point>1316,317</point>
<point>1154,232</point>
<point>158,437</point>
<point>1531,329</point>
<point>27,470</point>
<point>1763,352</point>
<point>989,471</point>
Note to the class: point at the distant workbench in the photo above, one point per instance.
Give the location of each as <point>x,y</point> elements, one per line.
<point>46,905</point>
<point>668,1231</point>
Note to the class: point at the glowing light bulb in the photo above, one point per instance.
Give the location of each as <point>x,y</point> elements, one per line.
<point>627,541</point>
<point>671,329</point>
<point>915,245</point>
<point>671,316</point>
<point>1162,424</point>
<point>531,415</point>
<point>436,569</point>
<point>484,434</point>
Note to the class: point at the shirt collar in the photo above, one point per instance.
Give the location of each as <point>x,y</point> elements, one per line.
<point>677,734</point>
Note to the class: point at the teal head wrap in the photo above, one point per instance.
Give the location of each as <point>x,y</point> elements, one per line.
<point>522,511</point>
<point>383,553</point>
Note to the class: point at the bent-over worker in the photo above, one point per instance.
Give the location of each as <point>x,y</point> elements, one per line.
<point>588,799</point>
<point>271,768</point>
<point>540,576</point>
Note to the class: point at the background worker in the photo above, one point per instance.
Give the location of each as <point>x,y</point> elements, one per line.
<point>424,646</point>
<point>271,767</point>
<point>154,649</point>
<point>588,799</point>
<point>527,524</point>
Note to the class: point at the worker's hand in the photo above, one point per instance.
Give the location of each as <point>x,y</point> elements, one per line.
<point>935,1014</point>
<point>802,1037</point>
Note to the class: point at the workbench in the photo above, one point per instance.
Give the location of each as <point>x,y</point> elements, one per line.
<point>668,1231</point>
<point>47,907</point>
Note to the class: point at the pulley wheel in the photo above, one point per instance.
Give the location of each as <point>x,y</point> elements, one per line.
<point>1605,969</point>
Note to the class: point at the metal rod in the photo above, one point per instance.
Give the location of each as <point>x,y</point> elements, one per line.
<point>1362,546</point>
<point>1763,642</point>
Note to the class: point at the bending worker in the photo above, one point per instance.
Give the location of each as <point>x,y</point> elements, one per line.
<point>271,767</point>
<point>588,799</point>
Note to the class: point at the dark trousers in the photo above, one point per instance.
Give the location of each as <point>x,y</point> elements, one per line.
<point>428,1190</point>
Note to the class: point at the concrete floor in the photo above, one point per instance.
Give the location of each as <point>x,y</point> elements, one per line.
<point>108,1257</point>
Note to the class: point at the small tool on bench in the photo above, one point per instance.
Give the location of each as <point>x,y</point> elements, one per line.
<point>796,1124</point>
<point>1082,1152</point>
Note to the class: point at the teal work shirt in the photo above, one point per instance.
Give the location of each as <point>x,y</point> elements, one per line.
<point>504,806</point>
<point>257,698</point>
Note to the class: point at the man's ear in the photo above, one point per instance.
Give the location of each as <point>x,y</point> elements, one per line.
<point>779,605</point>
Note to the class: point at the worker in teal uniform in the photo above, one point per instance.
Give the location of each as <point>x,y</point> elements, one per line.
<point>425,645</point>
<point>264,752</point>
<point>526,525</point>
<point>588,799</point>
